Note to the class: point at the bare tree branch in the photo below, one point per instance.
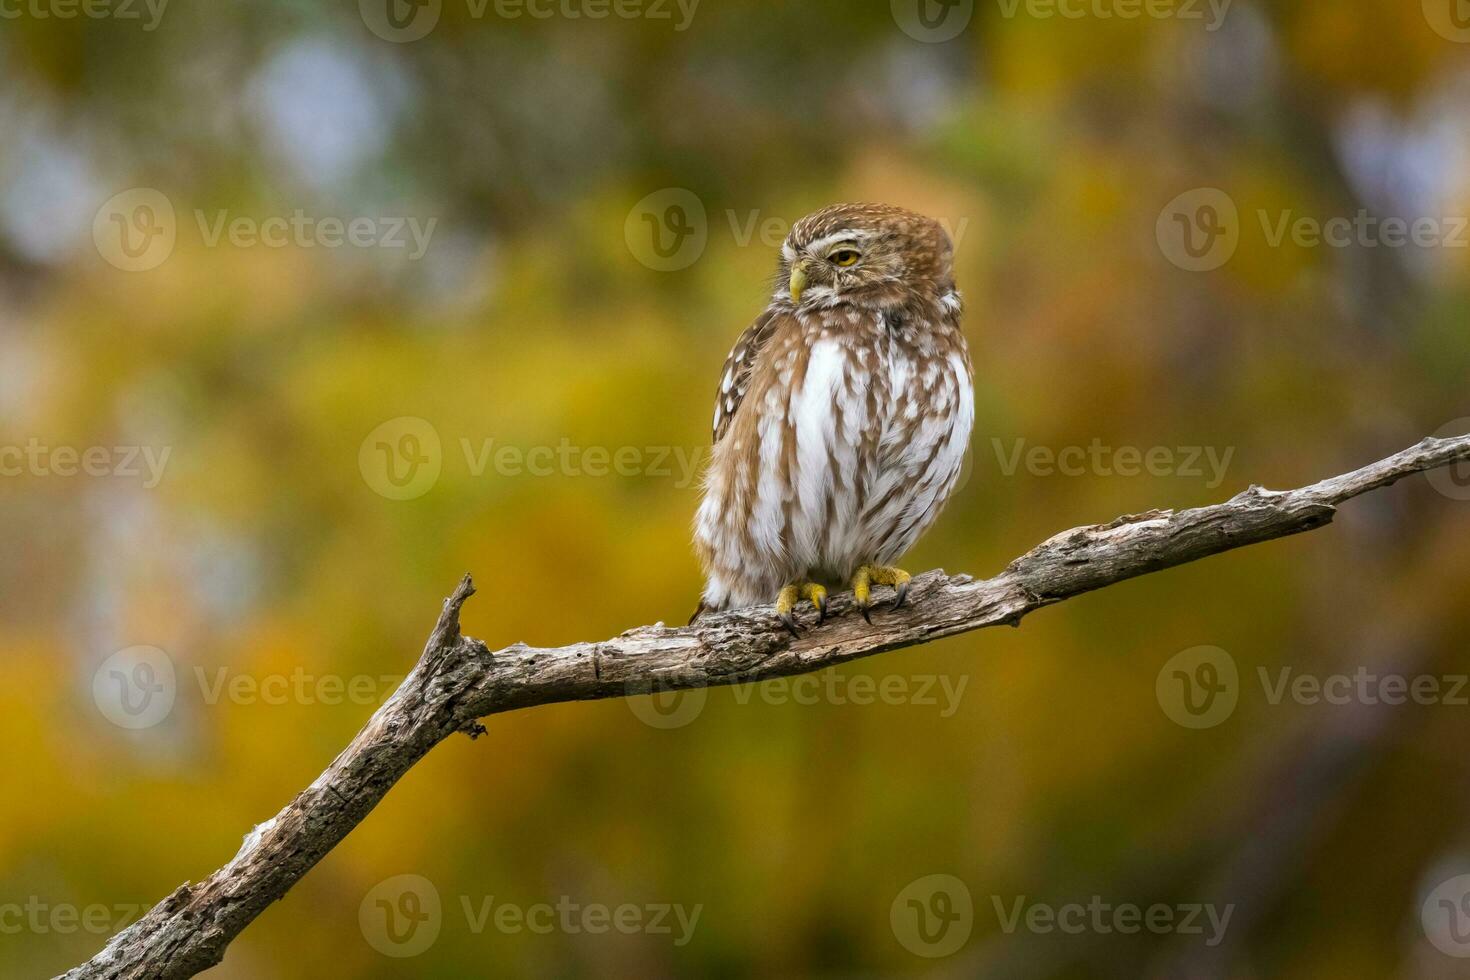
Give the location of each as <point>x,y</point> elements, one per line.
<point>458,680</point>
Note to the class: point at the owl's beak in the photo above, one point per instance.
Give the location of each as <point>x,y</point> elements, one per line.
<point>798,281</point>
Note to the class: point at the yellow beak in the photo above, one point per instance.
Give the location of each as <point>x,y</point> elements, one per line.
<point>798,281</point>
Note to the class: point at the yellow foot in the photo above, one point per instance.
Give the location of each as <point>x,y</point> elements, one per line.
<point>868,576</point>
<point>792,594</point>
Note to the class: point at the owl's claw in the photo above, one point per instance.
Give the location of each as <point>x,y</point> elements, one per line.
<point>868,576</point>
<point>792,594</point>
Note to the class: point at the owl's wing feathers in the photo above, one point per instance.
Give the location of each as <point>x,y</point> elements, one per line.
<point>735,380</point>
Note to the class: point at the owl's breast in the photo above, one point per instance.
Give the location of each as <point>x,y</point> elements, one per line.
<point>848,441</point>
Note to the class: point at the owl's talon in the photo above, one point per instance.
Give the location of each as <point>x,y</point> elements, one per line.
<point>868,576</point>
<point>792,594</point>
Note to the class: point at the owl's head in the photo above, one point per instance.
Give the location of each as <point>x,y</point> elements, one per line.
<point>870,255</point>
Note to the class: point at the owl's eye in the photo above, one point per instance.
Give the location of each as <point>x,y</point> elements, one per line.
<point>844,257</point>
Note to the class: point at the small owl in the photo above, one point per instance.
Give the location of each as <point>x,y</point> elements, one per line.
<point>842,418</point>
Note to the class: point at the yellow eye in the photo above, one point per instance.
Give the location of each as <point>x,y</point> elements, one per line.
<point>844,257</point>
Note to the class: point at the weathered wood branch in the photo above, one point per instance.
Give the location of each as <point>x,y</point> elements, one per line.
<point>458,680</point>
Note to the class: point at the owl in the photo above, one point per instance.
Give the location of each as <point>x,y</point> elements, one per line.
<point>842,418</point>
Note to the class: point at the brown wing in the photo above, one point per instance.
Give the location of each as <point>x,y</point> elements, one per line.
<point>736,378</point>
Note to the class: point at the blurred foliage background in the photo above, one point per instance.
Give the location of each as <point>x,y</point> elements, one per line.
<point>1052,146</point>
